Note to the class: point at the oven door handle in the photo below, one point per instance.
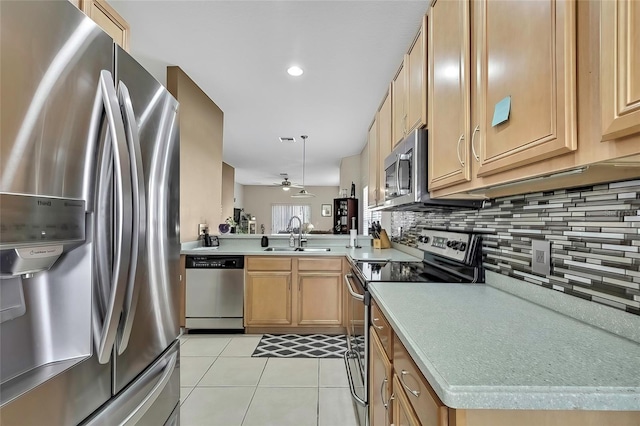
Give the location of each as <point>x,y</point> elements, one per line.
<point>353,293</point>
<point>352,387</point>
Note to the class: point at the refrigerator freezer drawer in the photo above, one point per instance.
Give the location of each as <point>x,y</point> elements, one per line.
<point>149,400</point>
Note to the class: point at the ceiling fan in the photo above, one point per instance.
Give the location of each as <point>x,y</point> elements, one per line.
<point>286,184</point>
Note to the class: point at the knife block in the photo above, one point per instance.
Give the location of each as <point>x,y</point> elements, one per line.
<point>382,242</point>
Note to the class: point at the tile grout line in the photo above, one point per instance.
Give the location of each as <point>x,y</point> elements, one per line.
<point>255,389</point>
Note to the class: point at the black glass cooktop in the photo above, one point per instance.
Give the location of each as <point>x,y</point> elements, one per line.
<point>403,272</point>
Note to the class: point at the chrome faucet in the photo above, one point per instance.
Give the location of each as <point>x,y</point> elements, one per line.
<point>299,242</point>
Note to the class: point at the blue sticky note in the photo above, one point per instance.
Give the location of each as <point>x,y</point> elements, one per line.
<point>501,111</point>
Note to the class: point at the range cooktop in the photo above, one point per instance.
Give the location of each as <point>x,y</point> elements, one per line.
<point>403,272</point>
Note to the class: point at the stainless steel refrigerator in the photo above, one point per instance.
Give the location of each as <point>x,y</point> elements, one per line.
<point>89,226</point>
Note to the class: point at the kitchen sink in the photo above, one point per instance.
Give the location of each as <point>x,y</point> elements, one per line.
<point>310,249</point>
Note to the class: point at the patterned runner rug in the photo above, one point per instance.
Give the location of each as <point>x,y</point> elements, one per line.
<point>301,346</point>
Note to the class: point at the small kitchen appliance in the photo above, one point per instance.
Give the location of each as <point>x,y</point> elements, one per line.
<point>449,257</point>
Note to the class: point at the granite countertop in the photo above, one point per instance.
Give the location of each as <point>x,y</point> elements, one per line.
<point>250,246</point>
<point>482,348</point>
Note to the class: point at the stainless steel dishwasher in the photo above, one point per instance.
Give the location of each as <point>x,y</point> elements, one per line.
<point>215,292</point>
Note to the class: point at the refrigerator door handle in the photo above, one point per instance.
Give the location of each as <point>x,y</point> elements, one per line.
<point>151,397</point>
<point>139,217</point>
<point>123,211</point>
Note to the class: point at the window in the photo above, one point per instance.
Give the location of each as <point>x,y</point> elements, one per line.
<point>282,213</point>
<point>367,215</point>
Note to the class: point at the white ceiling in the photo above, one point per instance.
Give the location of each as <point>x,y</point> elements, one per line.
<point>238,53</point>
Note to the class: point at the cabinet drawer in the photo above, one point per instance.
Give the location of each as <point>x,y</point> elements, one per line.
<point>383,329</point>
<point>271,263</point>
<point>320,264</point>
<point>426,404</point>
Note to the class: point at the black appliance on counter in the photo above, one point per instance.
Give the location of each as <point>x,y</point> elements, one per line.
<point>449,257</point>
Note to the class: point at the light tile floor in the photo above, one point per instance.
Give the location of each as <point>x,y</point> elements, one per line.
<point>220,384</point>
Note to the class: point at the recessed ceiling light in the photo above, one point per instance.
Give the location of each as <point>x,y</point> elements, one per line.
<point>295,71</point>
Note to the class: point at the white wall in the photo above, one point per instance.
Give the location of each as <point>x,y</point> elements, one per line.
<point>238,194</point>
<point>258,201</point>
<point>364,181</point>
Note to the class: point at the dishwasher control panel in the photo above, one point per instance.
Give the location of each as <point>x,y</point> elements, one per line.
<point>214,262</point>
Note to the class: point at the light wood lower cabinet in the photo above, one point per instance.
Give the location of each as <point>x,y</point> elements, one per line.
<point>320,298</point>
<point>403,415</point>
<point>268,298</point>
<point>293,292</point>
<point>380,370</point>
<point>415,403</point>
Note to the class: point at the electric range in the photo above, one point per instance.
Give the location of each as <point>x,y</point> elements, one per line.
<point>449,257</point>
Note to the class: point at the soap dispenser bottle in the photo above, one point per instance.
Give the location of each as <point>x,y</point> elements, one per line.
<point>292,240</point>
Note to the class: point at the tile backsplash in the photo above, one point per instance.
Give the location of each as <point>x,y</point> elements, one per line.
<point>594,233</point>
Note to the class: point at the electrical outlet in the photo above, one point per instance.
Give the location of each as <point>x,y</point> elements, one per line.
<point>541,257</point>
<point>202,227</point>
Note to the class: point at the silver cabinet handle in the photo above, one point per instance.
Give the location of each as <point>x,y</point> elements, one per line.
<point>379,327</point>
<point>116,149</point>
<point>139,217</point>
<point>351,291</point>
<point>352,387</point>
<point>413,392</point>
<point>473,147</point>
<point>382,387</point>
<point>458,150</point>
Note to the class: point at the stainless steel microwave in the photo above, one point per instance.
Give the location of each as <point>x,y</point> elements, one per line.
<point>405,171</point>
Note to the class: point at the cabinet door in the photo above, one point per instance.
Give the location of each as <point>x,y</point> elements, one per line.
<point>620,68</point>
<point>108,19</point>
<point>373,164</point>
<point>384,143</point>
<point>268,298</point>
<point>527,54</point>
<point>449,93</point>
<point>402,413</point>
<point>399,109</point>
<point>319,298</point>
<point>380,379</point>
<point>416,100</point>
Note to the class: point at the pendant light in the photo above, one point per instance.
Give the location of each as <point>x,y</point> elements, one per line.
<point>303,192</point>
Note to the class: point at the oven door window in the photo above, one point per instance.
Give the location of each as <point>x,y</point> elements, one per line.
<point>404,173</point>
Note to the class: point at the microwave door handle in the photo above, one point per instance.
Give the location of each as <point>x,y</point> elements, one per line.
<point>398,174</point>
<point>123,211</point>
<point>139,217</point>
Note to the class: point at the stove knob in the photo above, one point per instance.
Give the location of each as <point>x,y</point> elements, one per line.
<point>450,244</point>
<point>455,245</point>
<point>463,246</point>
<point>426,239</point>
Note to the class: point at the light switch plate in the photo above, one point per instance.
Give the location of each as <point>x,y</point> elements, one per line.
<point>541,257</point>
<point>202,227</point>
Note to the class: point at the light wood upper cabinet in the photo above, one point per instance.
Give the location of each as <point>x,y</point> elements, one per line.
<point>527,53</point>
<point>320,298</point>
<point>373,164</point>
<point>108,19</point>
<point>449,93</point>
<point>620,68</point>
<point>384,142</point>
<point>399,108</point>
<point>416,97</point>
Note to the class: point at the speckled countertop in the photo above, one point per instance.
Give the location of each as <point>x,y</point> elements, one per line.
<point>250,246</point>
<point>483,348</point>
